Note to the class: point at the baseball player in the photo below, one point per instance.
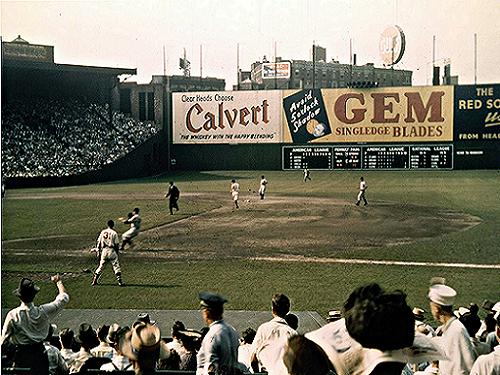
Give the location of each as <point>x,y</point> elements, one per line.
<point>235,192</point>
<point>135,227</point>
<point>173,194</point>
<point>262,188</point>
<point>306,175</point>
<point>362,189</point>
<point>107,246</point>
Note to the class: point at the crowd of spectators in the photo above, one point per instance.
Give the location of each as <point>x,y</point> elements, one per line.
<point>375,333</point>
<point>49,137</point>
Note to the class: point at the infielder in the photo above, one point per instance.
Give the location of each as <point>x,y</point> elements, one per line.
<point>107,246</point>
<point>362,189</point>
<point>173,194</point>
<point>262,188</point>
<point>306,175</point>
<point>135,227</point>
<point>235,192</point>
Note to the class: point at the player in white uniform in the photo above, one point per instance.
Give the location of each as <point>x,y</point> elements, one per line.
<point>263,186</point>
<point>307,175</point>
<point>362,189</point>
<point>107,246</point>
<point>135,227</point>
<point>235,192</point>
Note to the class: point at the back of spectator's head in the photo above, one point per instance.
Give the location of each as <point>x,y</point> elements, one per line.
<point>378,319</point>
<point>292,320</point>
<point>190,339</point>
<point>304,357</point>
<point>66,337</point>
<point>280,305</point>
<point>248,335</point>
<point>178,326</point>
<point>102,332</point>
<point>27,290</point>
<point>471,322</point>
<point>144,317</point>
<point>87,337</point>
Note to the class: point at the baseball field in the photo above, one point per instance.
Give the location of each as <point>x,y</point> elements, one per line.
<point>307,240</point>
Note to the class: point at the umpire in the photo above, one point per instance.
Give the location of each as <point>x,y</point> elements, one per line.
<point>173,194</point>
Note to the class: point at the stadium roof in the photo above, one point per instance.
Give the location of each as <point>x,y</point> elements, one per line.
<point>49,66</point>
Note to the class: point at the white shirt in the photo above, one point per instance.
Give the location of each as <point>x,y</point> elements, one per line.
<point>29,324</point>
<point>135,222</point>
<point>244,353</point>
<point>108,238</point>
<point>121,362</point>
<point>80,358</point>
<point>488,364</point>
<point>458,347</point>
<point>103,350</point>
<point>235,187</point>
<point>57,364</point>
<point>362,185</point>
<point>263,183</point>
<point>69,356</point>
<point>270,342</point>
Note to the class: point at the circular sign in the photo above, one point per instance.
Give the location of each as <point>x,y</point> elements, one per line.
<point>392,45</point>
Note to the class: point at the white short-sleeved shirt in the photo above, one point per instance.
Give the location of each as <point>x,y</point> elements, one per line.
<point>488,363</point>
<point>235,187</point>
<point>362,185</point>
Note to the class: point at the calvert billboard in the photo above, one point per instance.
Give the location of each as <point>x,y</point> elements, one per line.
<point>393,114</point>
<point>227,117</point>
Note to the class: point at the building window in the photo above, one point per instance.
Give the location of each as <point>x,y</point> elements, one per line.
<point>142,106</point>
<point>151,106</point>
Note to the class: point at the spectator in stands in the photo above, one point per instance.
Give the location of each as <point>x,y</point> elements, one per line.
<point>491,336</point>
<point>489,363</point>
<point>103,349</point>
<point>119,362</point>
<point>87,338</point>
<point>420,325</point>
<point>66,338</point>
<point>271,338</point>
<point>454,337</point>
<point>245,348</point>
<point>292,320</point>
<point>27,326</point>
<point>190,341</point>
<point>333,316</point>
<point>219,349</point>
<point>57,364</point>
<point>176,343</point>
<point>304,357</point>
<point>143,346</point>
<point>470,320</point>
<point>145,318</point>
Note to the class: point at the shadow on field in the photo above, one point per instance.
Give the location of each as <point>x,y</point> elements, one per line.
<point>154,286</point>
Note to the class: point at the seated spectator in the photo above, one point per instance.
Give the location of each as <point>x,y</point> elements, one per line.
<point>470,320</point>
<point>245,349</point>
<point>66,338</point>
<point>304,357</point>
<point>119,362</point>
<point>292,320</point>
<point>176,344</point>
<point>489,363</point>
<point>103,349</point>
<point>142,317</point>
<point>190,341</point>
<point>491,336</point>
<point>87,338</point>
<point>57,364</point>
<point>143,346</point>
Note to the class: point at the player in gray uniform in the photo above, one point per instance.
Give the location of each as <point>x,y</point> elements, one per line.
<point>263,187</point>
<point>135,227</point>
<point>107,246</point>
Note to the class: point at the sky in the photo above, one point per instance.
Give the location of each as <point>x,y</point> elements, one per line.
<point>133,34</point>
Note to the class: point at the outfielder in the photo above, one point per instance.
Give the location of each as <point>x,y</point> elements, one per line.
<point>307,175</point>
<point>135,227</point>
<point>262,188</point>
<point>235,192</point>
<point>107,246</point>
<point>362,189</point>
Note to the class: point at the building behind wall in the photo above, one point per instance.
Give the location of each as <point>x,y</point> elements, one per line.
<point>305,74</point>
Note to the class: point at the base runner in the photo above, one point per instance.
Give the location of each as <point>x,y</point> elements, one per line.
<point>135,227</point>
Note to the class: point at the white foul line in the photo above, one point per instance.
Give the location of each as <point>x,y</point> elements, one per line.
<point>379,262</point>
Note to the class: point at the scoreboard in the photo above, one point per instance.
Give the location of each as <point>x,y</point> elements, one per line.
<point>368,157</point>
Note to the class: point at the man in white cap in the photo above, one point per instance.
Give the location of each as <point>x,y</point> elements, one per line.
<point>489,363</point>
<point>454,337</point>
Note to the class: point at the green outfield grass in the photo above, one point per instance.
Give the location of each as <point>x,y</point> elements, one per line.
<point>45,231</point>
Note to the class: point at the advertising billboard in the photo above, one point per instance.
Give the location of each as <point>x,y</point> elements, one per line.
<point>392,114</point>
<point>276,70</point>
<point>227,117</point>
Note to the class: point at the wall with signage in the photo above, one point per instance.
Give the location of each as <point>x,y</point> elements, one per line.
<point>432,127</point>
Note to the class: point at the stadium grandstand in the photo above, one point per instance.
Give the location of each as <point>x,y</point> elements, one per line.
<point>62,120</point>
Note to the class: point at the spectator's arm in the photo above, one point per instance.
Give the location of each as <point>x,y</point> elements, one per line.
<point>54,307</point>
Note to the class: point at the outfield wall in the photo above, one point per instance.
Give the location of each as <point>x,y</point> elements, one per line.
<point>250,129</point>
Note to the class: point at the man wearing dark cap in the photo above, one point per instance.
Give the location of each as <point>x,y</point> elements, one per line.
<point>27,326</point>
<point>219,349</point>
